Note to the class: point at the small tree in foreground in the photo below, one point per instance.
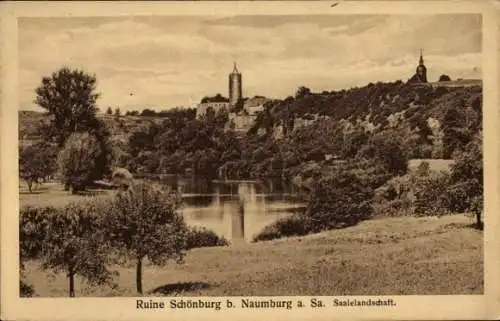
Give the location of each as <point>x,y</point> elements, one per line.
<point>144,223</point>
<point>68,240</point>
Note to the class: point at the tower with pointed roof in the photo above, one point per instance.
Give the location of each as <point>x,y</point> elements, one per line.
<point>421,71</point>
<point>235,86</point>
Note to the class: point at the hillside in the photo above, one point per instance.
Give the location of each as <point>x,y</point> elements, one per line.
<point>121,127</point>
<point>422,116</point>
<point>427,121</point>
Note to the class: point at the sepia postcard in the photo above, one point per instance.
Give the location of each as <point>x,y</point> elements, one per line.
<point>250,159</point>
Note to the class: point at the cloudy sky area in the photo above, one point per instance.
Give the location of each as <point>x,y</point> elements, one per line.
<point>175,61</point>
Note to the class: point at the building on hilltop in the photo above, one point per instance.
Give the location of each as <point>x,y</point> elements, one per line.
<point>242,112</point>
<point>420,75</point>
<point>235,87</point>
<point>255,105</point>
<point>217,103</point>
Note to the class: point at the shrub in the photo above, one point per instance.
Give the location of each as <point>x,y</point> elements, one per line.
<point>338,201</point>
<point>386,149</point>
<point>421,192</point>
<point>202,237</point>
<point>431,194</point>
<point>295,225</point>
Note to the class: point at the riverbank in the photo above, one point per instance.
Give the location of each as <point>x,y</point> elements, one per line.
<point>387,256</point>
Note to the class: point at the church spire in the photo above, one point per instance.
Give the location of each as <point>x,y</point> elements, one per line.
<point>421,61</point>
<point>235,69</point>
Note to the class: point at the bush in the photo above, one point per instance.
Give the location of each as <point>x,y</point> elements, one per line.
<point>421,193</point>
<point>338,201</point>
<point>295,225</point>
<point>431,194</point>
<point>202,237</point>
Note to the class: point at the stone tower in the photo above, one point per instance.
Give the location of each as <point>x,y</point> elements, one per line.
<point>235,87</point>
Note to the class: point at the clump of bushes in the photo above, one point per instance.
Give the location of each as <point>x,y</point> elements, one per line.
<point>340,200</point>
<point>421,192</point>
<point>202,237</point>
<point>336,201</point>
<point>295,225</point>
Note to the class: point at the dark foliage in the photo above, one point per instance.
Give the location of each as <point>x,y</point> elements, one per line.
<point>37,162</point>
<point>295,225</point>
<point>70,98</point>
<point>68,240</point>
<point>202,237</point>
<point>143,222</point>
<point>339,200</point>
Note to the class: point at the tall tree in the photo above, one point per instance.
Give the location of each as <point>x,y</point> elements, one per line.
<point>70,97</point>
<point>144,223</point>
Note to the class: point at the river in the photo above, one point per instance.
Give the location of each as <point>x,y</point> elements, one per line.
<point>236,210</point>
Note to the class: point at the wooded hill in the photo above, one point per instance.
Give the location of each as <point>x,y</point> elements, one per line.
<point>425,121</point>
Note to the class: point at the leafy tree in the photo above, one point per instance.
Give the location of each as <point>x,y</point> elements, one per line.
<point>144,223</point>
<point>68,240</point>
<point>117,111</point>
<point>455,133</point>
<point>131,113</point>
<point>148,112</point>
<point>78,161</point>
<point>32,226</point>
<point>444,78</point>
<point>302,91</point>
<point>109,111</point>
<point>69,96</point>
<point>385,149</point>
<point>36,162</point>
<point>467,180</point>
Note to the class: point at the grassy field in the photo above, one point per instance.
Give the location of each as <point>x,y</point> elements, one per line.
<point>53,194</point>
<point>385,257</point>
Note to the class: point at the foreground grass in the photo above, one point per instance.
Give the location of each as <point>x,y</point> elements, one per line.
<point>387,256</point>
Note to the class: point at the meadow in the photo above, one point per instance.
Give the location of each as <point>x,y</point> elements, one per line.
<point>390,256</point>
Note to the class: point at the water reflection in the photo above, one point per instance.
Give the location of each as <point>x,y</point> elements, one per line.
<point>237,210</point>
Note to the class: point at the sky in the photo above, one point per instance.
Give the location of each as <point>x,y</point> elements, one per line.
<point>161,62</point>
